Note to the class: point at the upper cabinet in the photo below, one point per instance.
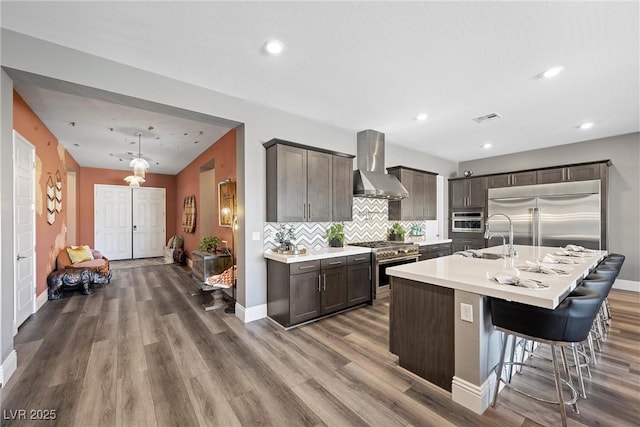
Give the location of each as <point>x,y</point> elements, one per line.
<point>512,179</point>
<point>422,188</point>
<point>570,173</point>
<point>468,192</point>
<point>306,184</point>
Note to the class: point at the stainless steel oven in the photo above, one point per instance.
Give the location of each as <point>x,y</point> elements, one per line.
<point>388,254</point>
<point>467,222</point>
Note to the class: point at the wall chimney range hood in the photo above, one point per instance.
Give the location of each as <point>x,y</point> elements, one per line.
<point>371,179</point>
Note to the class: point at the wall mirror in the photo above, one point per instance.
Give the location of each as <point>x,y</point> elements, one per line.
<point>226,202</point>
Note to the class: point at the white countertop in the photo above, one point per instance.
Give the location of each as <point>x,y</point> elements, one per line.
<point>472,275</point>
<point>423,241</point>
<point>314,254</point>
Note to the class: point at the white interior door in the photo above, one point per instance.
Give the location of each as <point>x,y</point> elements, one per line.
<point>112,221</point>
<point>149,221</point>
<point>24,225</point>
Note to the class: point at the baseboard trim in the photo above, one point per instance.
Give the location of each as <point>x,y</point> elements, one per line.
<point>250,314</point>
<point>8,367</point>
<point>627,285</point>
<point>41,300</point>
<point>471,396</point>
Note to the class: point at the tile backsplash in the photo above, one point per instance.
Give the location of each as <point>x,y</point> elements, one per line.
<point>369,223</point>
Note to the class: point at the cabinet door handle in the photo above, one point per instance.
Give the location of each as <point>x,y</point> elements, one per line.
<point>310,211</point>
<point>335,263</point>
<point>304,267</point>
<point>304,211</point>
<point>369,272</point>
<point>568,174</point>
<point>359,259</point>
<point>319,280</point>
<point>324,288</point>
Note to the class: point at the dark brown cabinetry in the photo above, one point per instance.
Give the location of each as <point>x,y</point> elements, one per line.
<point>304,291</point>
<point>468,192</point>
<point>465,241</point>
<point>358,279</point>
<point>569,173</point>
<point>512,179</point>
<point>422,188</point>
<point>434,251</point>
<point>342,188</point>
<point>303,186</point>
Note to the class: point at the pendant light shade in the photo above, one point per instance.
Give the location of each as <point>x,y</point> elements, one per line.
<point>140,167</point>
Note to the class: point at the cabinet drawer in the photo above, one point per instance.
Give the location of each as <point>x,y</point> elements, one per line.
<point>304,267</point>
<point>433,248</point>
<point>333,262</point>
<point>359,259</point>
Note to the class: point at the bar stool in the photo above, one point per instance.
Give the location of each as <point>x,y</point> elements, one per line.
<point>566,325</point>
<point>608,271</point>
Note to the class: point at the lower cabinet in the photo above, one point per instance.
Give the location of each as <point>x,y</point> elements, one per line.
<point>465,241</point>
<point>434,251</point>
<point>303,291</point>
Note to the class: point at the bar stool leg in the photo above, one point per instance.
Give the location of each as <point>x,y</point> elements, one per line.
<point>500,366</point>
<point>576,361</point>
<point>556,375</point>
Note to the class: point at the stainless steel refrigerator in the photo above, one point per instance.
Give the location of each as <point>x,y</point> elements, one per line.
<point>549,214</point>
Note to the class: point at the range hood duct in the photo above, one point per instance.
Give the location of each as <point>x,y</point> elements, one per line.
<point>371,179</point>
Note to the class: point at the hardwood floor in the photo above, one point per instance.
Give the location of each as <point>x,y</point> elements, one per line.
<point>142,351</point>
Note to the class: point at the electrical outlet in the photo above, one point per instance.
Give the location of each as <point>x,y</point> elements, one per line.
<point>466,312</point>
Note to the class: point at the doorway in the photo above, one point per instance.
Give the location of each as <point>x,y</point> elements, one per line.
<point>24,216</point>
<point>129,222</point>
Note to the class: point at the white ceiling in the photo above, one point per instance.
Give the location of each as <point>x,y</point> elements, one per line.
<point>358,65</point>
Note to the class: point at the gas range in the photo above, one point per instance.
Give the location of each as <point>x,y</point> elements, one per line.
<point>385,249</point>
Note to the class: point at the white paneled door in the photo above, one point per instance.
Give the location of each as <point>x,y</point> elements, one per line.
<point>24,223</point>
<point>148,222</point>
<point>129,222</point>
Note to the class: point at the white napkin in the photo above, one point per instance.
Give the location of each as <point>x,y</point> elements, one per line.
<point>551,259</point>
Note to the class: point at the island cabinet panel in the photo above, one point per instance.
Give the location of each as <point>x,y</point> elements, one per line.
<point>434,251</point>
<point>305,297</point>
<point>421,330</point>
<point>358,279</point>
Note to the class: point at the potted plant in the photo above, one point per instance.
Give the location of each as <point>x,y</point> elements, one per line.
<point>209,244</point>
<point>335,235</point>
<point>396,232</point>
<point>284,236</point>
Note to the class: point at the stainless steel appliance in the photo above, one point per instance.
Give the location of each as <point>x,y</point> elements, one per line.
<point>550,214</point>
<point>467,221</point>
<point>370,179</point>
<point>385,254</point>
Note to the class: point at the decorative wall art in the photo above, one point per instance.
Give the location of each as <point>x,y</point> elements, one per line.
<point>189,214</point>
<point>51,201</point>
<point>58,192</point>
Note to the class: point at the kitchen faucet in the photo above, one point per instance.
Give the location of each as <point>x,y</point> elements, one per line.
<point>489,235</point>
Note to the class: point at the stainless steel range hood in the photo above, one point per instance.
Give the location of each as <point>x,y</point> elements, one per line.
<point>371,180</point>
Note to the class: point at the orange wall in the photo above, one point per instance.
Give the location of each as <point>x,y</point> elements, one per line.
<point>90,176</point>
<point>188,183</point>
<point>50,157</point>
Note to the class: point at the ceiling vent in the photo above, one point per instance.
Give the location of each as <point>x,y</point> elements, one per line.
<point>487,118</point>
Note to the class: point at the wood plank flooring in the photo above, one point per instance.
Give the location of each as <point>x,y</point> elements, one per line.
<point>142,351</point>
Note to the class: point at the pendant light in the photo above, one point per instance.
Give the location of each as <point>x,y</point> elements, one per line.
<point>140,167</point>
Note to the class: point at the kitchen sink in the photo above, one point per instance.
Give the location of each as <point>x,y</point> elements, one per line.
<point>491,256</point>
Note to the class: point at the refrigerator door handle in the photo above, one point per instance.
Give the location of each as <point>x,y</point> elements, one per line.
<point>537,232</point>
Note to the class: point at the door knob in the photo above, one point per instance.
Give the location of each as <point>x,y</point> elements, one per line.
<point>135,227</point>
<point>19,257</point>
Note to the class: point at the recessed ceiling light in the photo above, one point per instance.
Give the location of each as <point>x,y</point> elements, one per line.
<point>274,47</point>
<point>487,145</point>
<point>587,125</point>
<point>422,117</point>
<point>552,72</point>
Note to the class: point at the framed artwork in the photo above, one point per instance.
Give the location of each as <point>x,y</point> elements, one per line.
<point>226,202</point>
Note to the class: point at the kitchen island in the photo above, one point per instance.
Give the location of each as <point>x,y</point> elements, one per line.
<point>428,297</point>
